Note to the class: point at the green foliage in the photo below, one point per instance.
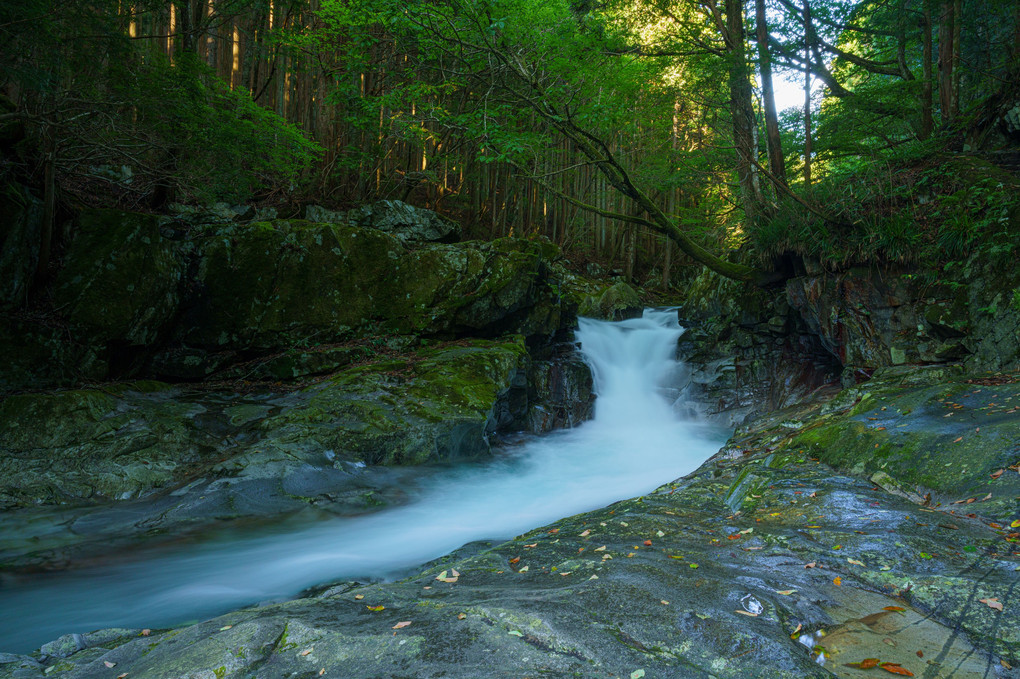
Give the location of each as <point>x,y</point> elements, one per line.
<point>215,143</point>
<point>912,207</point>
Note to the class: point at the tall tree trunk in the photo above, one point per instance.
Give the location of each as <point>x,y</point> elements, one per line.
<point>777,164</point>
<point>742,112</point>
<point>946,61</point>
<point>807,96</point>
<point>49,206</point>
<point>927,118</point>
<point>954,82</point>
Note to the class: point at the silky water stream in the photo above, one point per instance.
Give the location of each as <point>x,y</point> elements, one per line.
<point>634,443</point>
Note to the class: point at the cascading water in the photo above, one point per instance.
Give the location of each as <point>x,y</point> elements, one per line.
<point>633,444</point>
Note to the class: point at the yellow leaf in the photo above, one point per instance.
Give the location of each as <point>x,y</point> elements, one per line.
<point>375,608</point>
<point>785,592</point>
<point>837,581</point>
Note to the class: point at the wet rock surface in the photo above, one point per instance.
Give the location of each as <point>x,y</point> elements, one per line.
<point>148,458</point>
<point>766,562</point>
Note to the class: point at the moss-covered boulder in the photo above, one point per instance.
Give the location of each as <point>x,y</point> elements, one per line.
<point>441,404</point>
<point>121,280</point>
<point>132,440</point>
<point>274,285</point>
<point>117,443</point>
<point>932,434</point>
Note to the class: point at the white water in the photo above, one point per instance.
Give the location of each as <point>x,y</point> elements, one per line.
<point>634,444</point>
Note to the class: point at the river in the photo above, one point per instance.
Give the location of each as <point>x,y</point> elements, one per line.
<point>634,443</point>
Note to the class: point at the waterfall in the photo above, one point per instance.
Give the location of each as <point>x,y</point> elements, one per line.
<point>634,444</point>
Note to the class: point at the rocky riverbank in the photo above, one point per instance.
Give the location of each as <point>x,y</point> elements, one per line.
<point>269,368</point>
<point>776,559</point>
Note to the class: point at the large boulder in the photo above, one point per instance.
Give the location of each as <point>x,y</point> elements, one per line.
<point>121,283</point>
<point>405,222</point>
<point>275,285</point>
<point>131,440</point>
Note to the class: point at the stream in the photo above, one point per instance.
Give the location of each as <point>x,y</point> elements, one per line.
<point>634,443</point>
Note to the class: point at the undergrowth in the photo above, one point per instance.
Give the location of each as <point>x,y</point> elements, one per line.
<point>930,210</point>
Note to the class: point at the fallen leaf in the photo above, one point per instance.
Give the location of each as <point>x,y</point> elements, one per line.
<point>785,592</point>
<point>1015,524</point>
<point>532,546</point>
<point>793,634</point>
<point>895,609</point>
<point>146,632</point>
<point>585,534</point>
<point>865,664</point>
<point>663,602</point>
<point>554,531</point>
<point>920,654</point>
<point>402,624</point>
<point>359,597</point>
<point>225,627</point>
<point>306,652</point>
<point>523,570</point>
<point>895,668</point>
<point>809,565</point>
<point>746,531</point>
<point>647,543</point>
<point>693,565</point>
<point>461,616</point>
<point>600,549</point>
<point>375,608</point>
<point>322,671</point>
<point>837,581</point>
<point>855,562</point>
<point>660,534</point>
<point>997,473</point>
<point>109,664</point>
<point>958,439</point>
<point>515,560</point>
<point>450,576</point>
<point>747,613</point>
<point>637,674</point>
<point>992,603</point>
<point>122,675</point>
<point>986,498</point>
<point>515,633</point>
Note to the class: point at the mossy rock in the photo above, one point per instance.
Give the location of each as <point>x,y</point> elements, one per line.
<point>291,283</point>
<point>944,438</point>
<point>121,278</point>
<point>440,404</point>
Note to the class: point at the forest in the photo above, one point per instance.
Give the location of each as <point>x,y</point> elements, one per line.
<point>509,338</point>
<point>641,136</point>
